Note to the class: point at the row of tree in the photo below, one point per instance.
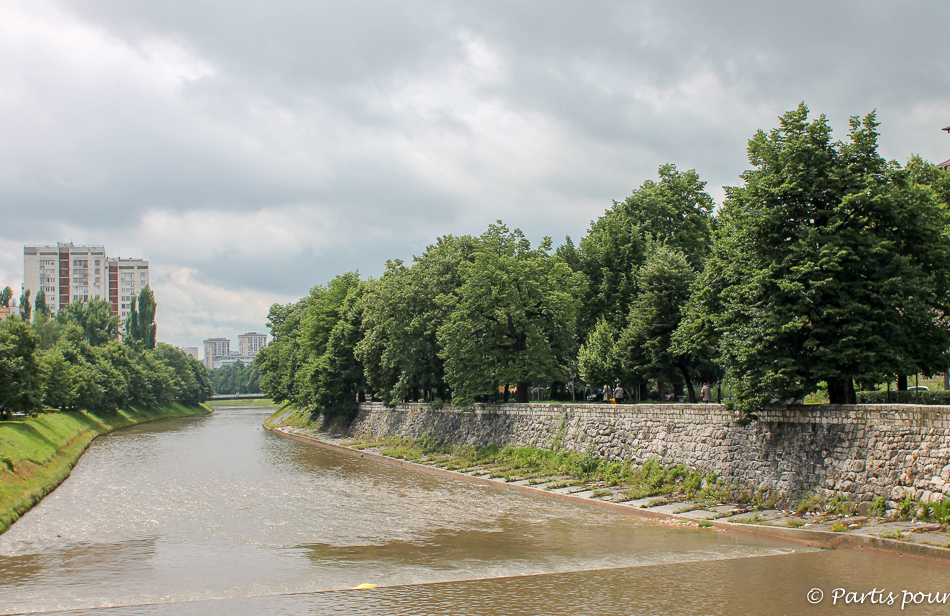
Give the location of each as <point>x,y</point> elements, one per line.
<point>236,378</point>
<point>75,360</point>
<point>826,264</point>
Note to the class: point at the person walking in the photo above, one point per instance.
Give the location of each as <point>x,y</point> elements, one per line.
<point>606,393</point>
<point>706,393</point>
<point>619,394</point>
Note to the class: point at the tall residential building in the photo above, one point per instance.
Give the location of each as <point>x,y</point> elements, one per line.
<point>216,347</point>
<point>193,351</point>
<point>68,273</point>
<point>250,343</point>
<point>127,277</point>
<point>65,272</point>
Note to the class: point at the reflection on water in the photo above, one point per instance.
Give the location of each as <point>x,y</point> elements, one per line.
<point>215,515</point>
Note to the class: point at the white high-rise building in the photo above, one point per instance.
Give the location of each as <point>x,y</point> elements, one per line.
<point>68,273</point>
<point>250,343</point>
<point>215,348</point>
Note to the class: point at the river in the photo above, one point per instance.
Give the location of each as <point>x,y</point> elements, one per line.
<point>215,515</point>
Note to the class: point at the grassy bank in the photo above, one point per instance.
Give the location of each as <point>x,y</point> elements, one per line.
<point>37,454</point>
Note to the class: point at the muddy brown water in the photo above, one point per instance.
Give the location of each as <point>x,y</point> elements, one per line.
<point>214,515</point>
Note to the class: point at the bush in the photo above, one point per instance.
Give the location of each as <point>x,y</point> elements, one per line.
<point>938,397</point>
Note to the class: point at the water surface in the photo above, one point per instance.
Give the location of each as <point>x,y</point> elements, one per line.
<point>214,515</point>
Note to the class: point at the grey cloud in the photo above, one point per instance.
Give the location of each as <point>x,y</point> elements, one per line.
<point>376,119</point>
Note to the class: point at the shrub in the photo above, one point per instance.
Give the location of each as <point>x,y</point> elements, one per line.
<point>939,397</point>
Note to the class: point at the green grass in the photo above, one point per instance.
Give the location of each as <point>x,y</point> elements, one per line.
<point>37,454</point>
<point>544,465</point>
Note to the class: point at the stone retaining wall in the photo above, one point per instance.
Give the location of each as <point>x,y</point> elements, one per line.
<point>858,451</point>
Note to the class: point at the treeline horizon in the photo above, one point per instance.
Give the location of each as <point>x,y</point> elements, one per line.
<point>826,265</point>
<point>74,360</point>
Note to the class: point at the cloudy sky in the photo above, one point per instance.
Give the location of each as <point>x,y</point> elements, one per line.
<point>251,150</point>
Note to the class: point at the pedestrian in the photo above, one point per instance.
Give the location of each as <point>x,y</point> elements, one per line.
<point>706,393</point>
<point>606,393</point>
<point>619,394</point>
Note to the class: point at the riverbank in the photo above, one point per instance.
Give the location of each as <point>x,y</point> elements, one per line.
<point>37,454</point>
<point>673,495</point>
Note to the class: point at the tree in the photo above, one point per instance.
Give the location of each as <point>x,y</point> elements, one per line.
<point>325,308</point>
<point>40,306</point>
<point>94,317</point>
<point>338,382</point>
<point>21,384</point>
<point>5,296</point>
<point>402,314</point>
<point>675,211</point>
<point>513,318</point>
<point>665,282</point>
<point>140,323</point>
<point>63,380</point>
<point>830,265</point>
<point>280,361</point>
<point>25,305</point>
<point>597,358</point>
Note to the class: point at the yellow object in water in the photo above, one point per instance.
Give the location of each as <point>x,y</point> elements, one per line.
<point>362,586</point>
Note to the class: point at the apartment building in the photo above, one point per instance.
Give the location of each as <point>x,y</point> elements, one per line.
<point>66,273</point>
<point>250,343</point>
<point>69,273</point>
<point>216,348</point>
<point>127,277</point>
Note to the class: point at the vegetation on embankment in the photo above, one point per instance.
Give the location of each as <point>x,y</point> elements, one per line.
<point>37,454</point>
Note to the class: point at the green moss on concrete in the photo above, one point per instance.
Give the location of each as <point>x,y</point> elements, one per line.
<point>37,454</point>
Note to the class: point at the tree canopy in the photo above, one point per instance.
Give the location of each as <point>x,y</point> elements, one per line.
<point>830,265</point>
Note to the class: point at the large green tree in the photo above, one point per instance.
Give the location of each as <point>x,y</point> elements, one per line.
<point>25,307</point>
<point>39,304</point>
<point>338,382</point>
<point>401,317</point>
<point>674,210</point>
<point>513,319</point>
<point>280,360</point>
<point>21,382</point>
<point>93,317</point>
<point>665,283</point>
<point>140,322</point>
<point>831,265</point>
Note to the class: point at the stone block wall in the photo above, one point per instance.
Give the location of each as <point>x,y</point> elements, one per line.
<point>861,451</point>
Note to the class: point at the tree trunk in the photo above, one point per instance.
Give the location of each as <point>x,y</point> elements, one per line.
<point>902,383</point>
<point>521,396</point>
<point>361,396</point>
<point>690,390</point>
<point>842,392</point>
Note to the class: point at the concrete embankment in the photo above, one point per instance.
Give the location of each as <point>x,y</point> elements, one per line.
<point>37,454</point>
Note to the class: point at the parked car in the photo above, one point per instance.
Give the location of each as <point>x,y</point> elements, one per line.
<point>918,388</point>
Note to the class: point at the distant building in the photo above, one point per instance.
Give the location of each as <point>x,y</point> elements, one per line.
<point>127,277</point>
<point>193,351</point>
<point>250,343</point>
<point>216,348</point>
<point>7,312</point>
<point>68,273</point>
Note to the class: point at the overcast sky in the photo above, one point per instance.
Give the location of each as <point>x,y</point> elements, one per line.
<point>252,150</point>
